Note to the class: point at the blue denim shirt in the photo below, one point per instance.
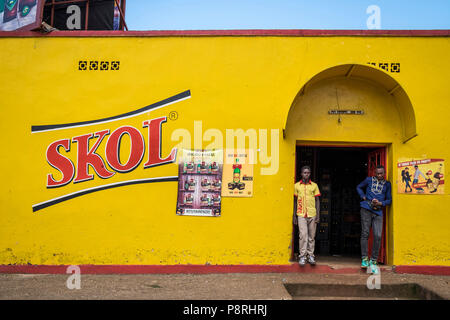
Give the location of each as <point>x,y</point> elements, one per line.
<point>374,189</point>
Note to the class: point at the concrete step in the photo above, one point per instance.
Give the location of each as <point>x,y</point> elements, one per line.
<point>326,291</point>
<point>351,298</point>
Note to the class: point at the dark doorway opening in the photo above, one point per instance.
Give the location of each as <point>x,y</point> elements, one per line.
<point>337,171</point>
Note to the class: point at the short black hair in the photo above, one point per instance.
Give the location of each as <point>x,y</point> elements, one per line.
<point>305,167</point>
<point>380,167</point>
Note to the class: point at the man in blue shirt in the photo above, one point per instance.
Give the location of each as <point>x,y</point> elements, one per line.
<point>375,193</point>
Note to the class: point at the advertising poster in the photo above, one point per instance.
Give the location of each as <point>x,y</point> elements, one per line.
<point>238,174</point>
<point>421,176</point>
<point>116,16</point>
<point>19,14</point>
<point>200,183</point>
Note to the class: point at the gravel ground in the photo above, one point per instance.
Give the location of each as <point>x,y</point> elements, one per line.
<point>231,286</point>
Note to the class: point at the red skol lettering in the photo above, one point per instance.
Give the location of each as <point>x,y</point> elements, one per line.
<point>88,157</point>
<point>60,163</point>
<point>113,149</point>
<point>154,144</point>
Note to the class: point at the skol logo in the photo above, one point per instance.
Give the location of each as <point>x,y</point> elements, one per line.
<point>87,156</point>
<point>147,145</point>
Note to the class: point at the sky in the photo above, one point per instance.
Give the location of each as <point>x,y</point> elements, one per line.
<point>284,14</point>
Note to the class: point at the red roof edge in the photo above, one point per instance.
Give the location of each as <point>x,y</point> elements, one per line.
<point>250,32</point>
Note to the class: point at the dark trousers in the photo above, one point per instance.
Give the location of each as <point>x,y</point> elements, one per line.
<point>407,186</point>
<point>374,221</point>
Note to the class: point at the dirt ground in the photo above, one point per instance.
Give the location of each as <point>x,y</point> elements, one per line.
<point>231,286</point>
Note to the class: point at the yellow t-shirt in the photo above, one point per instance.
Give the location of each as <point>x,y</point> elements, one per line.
<point>306,198</point>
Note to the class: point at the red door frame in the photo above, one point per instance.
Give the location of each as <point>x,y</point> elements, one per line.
<point>375,158</point>
<point>382,152</point>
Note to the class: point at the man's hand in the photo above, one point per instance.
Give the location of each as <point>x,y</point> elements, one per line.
<point>317,219</point>
<point>376,202</point>
<point>295,220</point>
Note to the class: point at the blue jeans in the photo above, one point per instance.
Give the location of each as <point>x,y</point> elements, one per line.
<point>407,186</point>
<point>374,221</point>
<point>416,181</point>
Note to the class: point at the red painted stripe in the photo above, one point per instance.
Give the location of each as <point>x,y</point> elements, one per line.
<point>432,270</point>
<point>174,269</point>
<point>208,269</point>
<point>256,32</point>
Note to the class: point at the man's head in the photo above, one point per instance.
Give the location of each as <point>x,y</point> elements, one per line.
<point>407,169</point>
<point>416,167</point>
<point>306,173</point>
<point>379,172</point>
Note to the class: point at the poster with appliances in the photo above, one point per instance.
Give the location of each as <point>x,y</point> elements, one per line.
<point>200,183</point>
<point>238,173</point>
<point>420,176</point>
<point>20,14</point>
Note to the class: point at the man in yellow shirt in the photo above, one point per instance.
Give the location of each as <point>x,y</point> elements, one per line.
<point>307,216</point>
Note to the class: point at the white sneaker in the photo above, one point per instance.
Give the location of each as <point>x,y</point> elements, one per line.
<point>302,261</point>
<point>311,261</point>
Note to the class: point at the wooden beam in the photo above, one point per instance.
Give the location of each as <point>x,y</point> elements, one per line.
<point>350,71</point>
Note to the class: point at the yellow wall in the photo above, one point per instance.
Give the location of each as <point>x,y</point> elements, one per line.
<point>235,82</point>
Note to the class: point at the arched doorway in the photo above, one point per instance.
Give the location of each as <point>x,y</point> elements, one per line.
<point>341,119</point>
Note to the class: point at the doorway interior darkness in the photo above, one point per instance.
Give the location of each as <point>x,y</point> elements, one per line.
<point>337,171</point>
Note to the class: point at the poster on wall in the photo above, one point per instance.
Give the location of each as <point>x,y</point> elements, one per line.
<point>20,14</point>
<point>200,183</point>
<point>238,173</point>
<point>116,25</point>
<point>420,176</point>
